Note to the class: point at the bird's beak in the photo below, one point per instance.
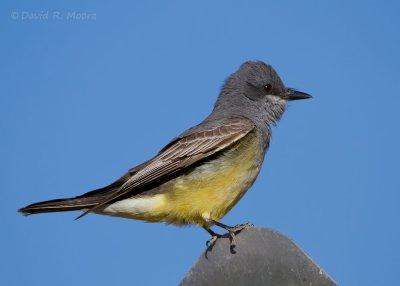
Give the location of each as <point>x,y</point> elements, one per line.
<point>292,94</point>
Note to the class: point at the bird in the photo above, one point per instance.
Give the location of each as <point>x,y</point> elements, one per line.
<point>201,174</point>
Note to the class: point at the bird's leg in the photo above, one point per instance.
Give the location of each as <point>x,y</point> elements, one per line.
<point>232,230</point>
<point>214,236</point>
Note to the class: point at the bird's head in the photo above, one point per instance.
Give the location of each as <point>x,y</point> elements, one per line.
<point>256,91</point>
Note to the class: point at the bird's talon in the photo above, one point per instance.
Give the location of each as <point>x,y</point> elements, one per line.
<point>211,241</point>
<point>231,234</point>
<point>239,227</point>
<point>232,239</point>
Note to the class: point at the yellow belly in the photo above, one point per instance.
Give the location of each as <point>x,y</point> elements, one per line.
<point>208,191</point>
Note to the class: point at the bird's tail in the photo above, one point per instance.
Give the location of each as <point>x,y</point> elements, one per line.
<point>60,205</point>
<point>82,202</point>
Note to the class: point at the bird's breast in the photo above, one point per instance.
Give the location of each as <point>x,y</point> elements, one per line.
<point>211,189</point>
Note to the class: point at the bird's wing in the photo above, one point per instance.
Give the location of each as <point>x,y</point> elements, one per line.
<point>181,153</point>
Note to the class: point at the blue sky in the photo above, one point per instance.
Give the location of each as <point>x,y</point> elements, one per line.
<point>81,101</point>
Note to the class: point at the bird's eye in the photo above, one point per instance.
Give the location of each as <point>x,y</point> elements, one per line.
<point>268,88</point>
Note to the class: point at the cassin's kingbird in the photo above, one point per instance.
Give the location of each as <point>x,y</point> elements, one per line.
<point>201,174</point>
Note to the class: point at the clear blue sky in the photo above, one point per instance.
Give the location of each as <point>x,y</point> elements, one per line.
<point>81,101</point>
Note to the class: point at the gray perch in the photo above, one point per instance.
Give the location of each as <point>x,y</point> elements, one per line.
<point>263,257</point>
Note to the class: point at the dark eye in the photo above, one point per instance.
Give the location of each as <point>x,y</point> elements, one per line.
<point>268,88</point>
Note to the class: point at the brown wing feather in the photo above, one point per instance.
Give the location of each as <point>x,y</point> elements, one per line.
<point>181,153</point>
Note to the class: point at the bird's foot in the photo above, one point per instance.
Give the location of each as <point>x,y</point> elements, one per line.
<point>239,227</point>
<point>210,243</point>
<point>232,231</point>
<point>231,234</point>
<point>214,237</point>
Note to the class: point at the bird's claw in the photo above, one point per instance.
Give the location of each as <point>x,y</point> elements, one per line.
<point>239,227</point>
<point>235,230</point>
<point>210,243</point>
<point>231,234</point>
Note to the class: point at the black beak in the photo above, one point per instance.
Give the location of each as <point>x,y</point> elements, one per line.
<point>292,94</point>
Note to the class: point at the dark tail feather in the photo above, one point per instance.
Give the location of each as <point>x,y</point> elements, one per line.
<point>60,205</point>
<point>82,202</point>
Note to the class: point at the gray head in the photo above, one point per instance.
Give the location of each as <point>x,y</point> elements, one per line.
<point>255,91</point>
